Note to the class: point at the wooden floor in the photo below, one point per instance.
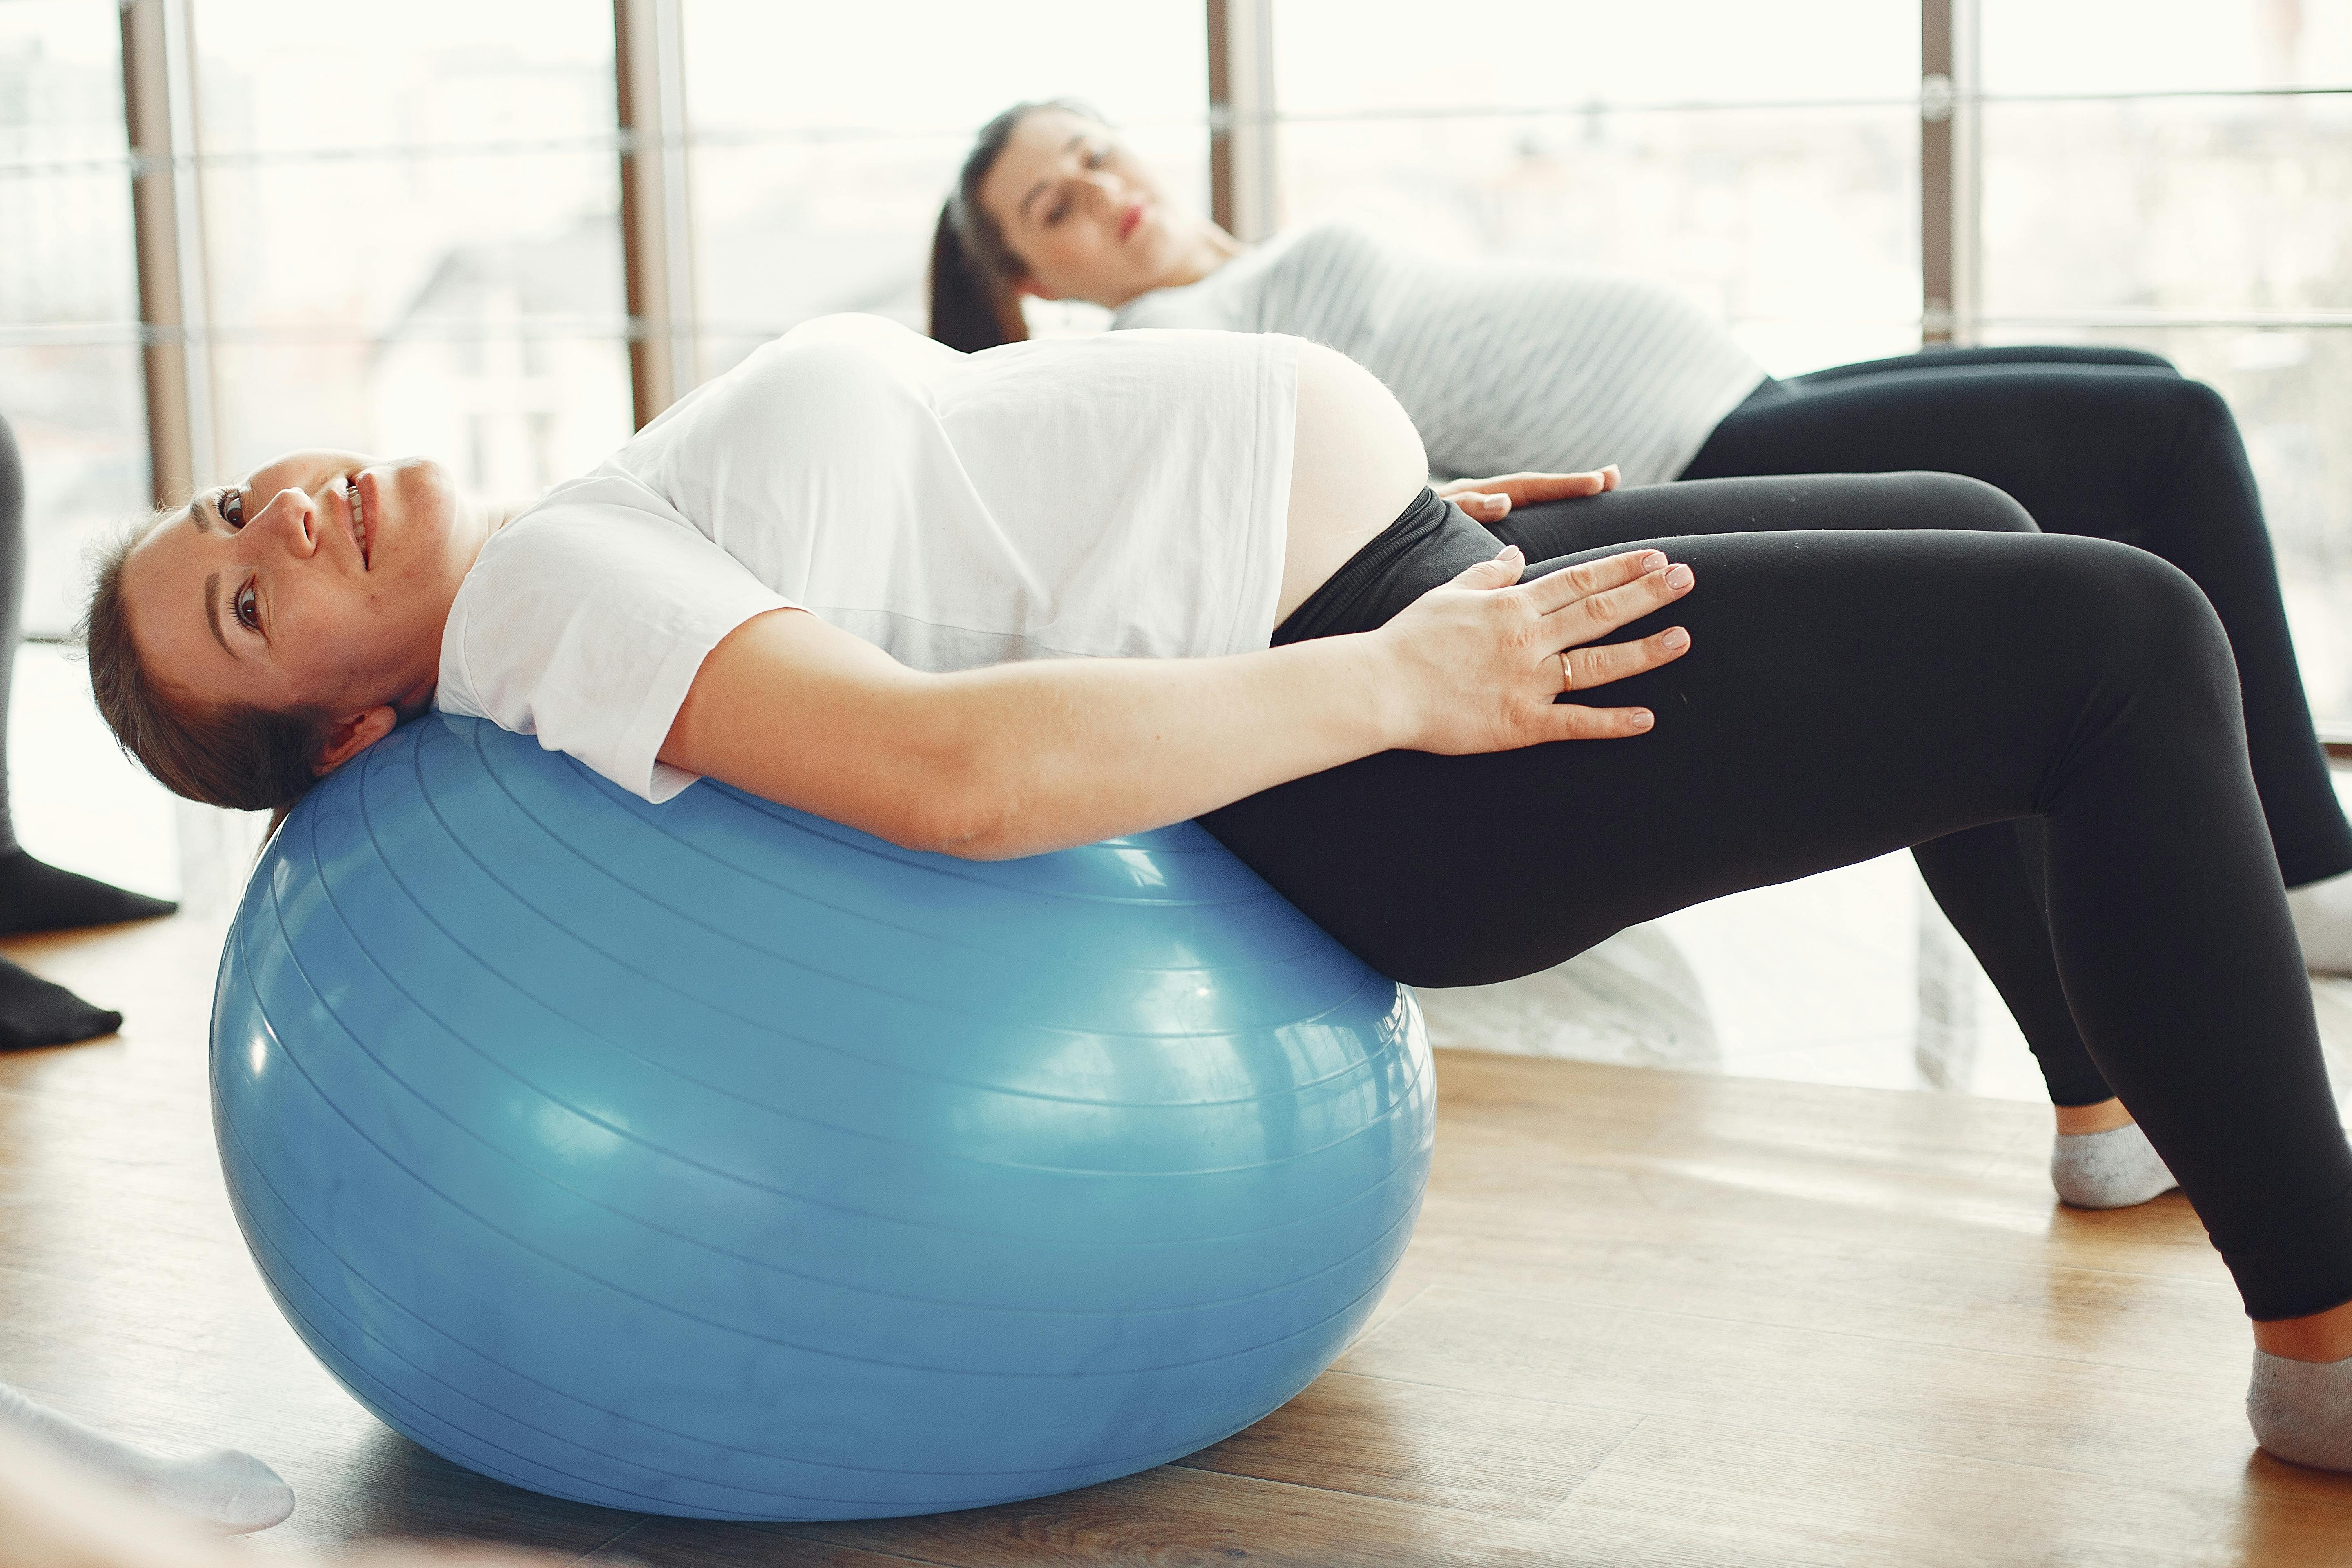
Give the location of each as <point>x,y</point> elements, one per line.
<point>1650,1318</point>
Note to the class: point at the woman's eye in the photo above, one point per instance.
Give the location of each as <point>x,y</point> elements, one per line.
<point>1097,157</point>
<point>1055,212</point>
<point>248,609</point>
<point>232,507</point>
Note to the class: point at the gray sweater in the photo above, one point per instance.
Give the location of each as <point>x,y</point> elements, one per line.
<point>1504,365</point>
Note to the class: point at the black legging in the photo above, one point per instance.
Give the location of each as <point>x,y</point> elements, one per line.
<point>2109,443</point>
<point>1847,694</point>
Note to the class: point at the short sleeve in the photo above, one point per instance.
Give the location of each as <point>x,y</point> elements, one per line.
<point>584,623</point>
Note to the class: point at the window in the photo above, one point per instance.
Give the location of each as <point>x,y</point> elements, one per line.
<point>1772,175</point>
<point>410,231</point>
<point>817,180</point>
<point>2177,175</point>
<point>70,358</point>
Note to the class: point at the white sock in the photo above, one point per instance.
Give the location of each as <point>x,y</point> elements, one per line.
<point>232,1492</point>
<point>2323,923</point>
<point>2302,1410</point>
<point>2110,1170</point>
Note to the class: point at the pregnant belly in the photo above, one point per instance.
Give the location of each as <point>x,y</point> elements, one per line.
<point>1357,463</point>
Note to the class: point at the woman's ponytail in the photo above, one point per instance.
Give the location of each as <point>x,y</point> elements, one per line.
<point>974,305</point>
<point>963,316</point>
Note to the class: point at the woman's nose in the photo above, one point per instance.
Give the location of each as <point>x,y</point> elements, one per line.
<point>289,522</point>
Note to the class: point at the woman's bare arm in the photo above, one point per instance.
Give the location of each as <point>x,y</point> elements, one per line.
<point>1018,759</point>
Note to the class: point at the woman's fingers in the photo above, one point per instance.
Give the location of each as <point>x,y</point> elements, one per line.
<point>1557,590</point>
<point>1500,571</point>
<point>1604,662</point>
<point>1527,489</point>
<point>1574,721</point>
<point>1599,613</point>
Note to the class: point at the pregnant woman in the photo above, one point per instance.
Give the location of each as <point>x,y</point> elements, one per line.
<point>1003,604</point>
<point>1517,365</point>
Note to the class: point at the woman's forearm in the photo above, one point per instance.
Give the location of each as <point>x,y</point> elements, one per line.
<point>1067,752</point>
<point>1017,759</point>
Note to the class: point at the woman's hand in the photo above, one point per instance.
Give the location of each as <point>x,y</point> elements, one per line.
<point>1491,500</point>
<point>1477,662</point>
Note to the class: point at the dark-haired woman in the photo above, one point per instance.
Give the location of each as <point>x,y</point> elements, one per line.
<point>996,605</point>
<point>1521,366</point>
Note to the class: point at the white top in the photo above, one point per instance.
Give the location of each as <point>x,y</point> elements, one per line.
<point>1503,365</point>
<point>1122,495</point>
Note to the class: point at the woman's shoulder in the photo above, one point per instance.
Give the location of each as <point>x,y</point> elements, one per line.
<point>1234,296</point>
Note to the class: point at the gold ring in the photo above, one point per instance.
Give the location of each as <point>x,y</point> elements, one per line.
<point>1567,681</point>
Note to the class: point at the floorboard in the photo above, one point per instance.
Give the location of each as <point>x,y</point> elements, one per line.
<point>1651,1316</point>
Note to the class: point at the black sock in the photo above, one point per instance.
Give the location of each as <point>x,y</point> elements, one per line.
<point>34,1012</point>
<point>34,895</point>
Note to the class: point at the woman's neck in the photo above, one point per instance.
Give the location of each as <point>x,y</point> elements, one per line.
<point>1204,250</point>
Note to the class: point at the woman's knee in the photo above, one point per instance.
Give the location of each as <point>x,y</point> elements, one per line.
<point>2149,621</point>
<point>1958,502</point>
<point>2196,408</point>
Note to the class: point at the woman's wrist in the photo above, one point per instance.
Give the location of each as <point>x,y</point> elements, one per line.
<point>1384,688</point>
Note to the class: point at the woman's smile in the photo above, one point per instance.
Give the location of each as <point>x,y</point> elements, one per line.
<point>357,512</point>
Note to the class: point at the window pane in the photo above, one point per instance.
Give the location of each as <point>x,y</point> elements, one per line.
<point>413,243</point>
<point>508,413</point>
<point>2292,392</point>
<point>814,190</point>
<point>60,81</point>
<point>483,257</point>
<point>297,76</point>
<point>2154,45</point>
<point>1353,57</point>
<point>2234,204</point>
<point>69,372</point>
<point>1798,225</point>
<point>79,417</point>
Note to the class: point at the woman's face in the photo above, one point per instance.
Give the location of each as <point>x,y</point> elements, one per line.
<point>323,579</point>
<point>1088,217</point>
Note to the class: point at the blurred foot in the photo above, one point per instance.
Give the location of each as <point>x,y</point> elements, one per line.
<point>34,1012</point>
<point>35,896</point>
<point>232,1492</point>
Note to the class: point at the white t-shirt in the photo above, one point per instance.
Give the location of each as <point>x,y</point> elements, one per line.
<point>1125,495</point>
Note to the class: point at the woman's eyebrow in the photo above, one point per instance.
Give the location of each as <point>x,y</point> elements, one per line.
<point>212,612</point>
<point>1041,184</point>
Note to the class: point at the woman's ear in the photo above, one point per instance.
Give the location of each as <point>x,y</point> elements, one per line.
<point>352,733</point>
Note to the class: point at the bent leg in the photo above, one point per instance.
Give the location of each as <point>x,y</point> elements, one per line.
<point>1984,879</point>
<point>2133,453</point>
<point>1849,694</point>
<point>1780,504</point>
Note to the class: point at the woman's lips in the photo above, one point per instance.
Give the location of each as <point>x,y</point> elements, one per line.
<point>1129,220</point>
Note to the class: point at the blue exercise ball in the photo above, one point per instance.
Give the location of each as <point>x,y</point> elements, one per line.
<point>713,1159</point>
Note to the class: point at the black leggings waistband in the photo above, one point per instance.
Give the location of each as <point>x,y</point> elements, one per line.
<point>1431,542</point>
